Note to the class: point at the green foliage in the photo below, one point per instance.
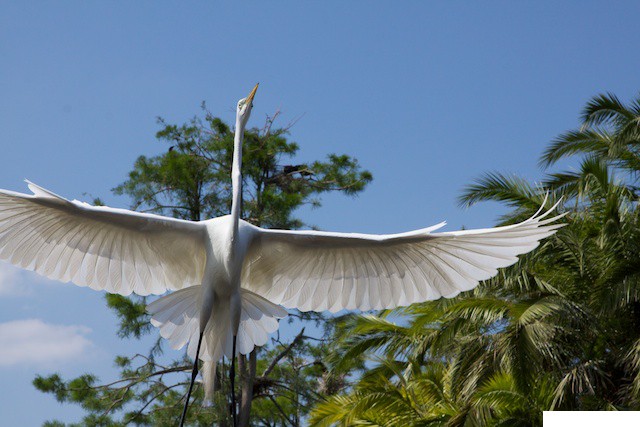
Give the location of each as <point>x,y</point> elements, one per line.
<point>192,180</point>
<point>558,330</point>
<point>133,317</point>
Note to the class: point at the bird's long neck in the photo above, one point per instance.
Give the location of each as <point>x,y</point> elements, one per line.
<point>236,177</point>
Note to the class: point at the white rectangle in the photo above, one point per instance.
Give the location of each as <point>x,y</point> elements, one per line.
<point>590,418</point>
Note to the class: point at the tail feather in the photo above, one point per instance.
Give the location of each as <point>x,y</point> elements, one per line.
<point>259,318</point>
<point>217,335</point>
<point>177,317</point>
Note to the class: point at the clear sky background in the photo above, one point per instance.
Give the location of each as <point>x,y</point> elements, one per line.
<point>427,95</point>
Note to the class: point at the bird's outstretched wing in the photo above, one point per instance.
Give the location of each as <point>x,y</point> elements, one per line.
<point>117,250</point>
<point>313,270</point>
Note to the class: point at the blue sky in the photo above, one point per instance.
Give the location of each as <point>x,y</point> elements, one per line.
<point>427,95</point>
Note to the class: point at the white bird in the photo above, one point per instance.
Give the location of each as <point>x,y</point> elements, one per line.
<point>230,278</point>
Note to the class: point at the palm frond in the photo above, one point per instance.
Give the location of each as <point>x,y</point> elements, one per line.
<point>480,311</point>
<point>603,109</point>
<point>584,378</point>
<point>500,393</point>
<point>494,186</point>
<point>597,142</point>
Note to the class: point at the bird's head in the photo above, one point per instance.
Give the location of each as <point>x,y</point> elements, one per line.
<point>245,105</point>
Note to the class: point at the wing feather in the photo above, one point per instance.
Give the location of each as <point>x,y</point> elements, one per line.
<point>117,250</point>
<point>382,292</point>
<point>312,270</point>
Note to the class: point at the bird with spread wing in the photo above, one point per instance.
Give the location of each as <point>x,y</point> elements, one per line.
<point>230,279</point>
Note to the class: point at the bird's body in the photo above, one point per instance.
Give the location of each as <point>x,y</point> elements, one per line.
<point>232,279</point>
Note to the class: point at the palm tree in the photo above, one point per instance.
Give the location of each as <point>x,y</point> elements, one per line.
<point>610,131</point>
<point>399,394</point>
<point>558,330</point>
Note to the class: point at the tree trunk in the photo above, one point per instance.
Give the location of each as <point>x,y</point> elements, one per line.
<point>248,375</point>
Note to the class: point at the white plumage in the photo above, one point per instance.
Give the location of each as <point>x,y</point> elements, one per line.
<point>230,277</point>
<point>117,250</point>
<point>315,270</point>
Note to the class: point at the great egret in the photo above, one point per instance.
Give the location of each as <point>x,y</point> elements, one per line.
<point>230,278</point>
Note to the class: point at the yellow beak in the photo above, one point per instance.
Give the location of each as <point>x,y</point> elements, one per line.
<point>252,94</point>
